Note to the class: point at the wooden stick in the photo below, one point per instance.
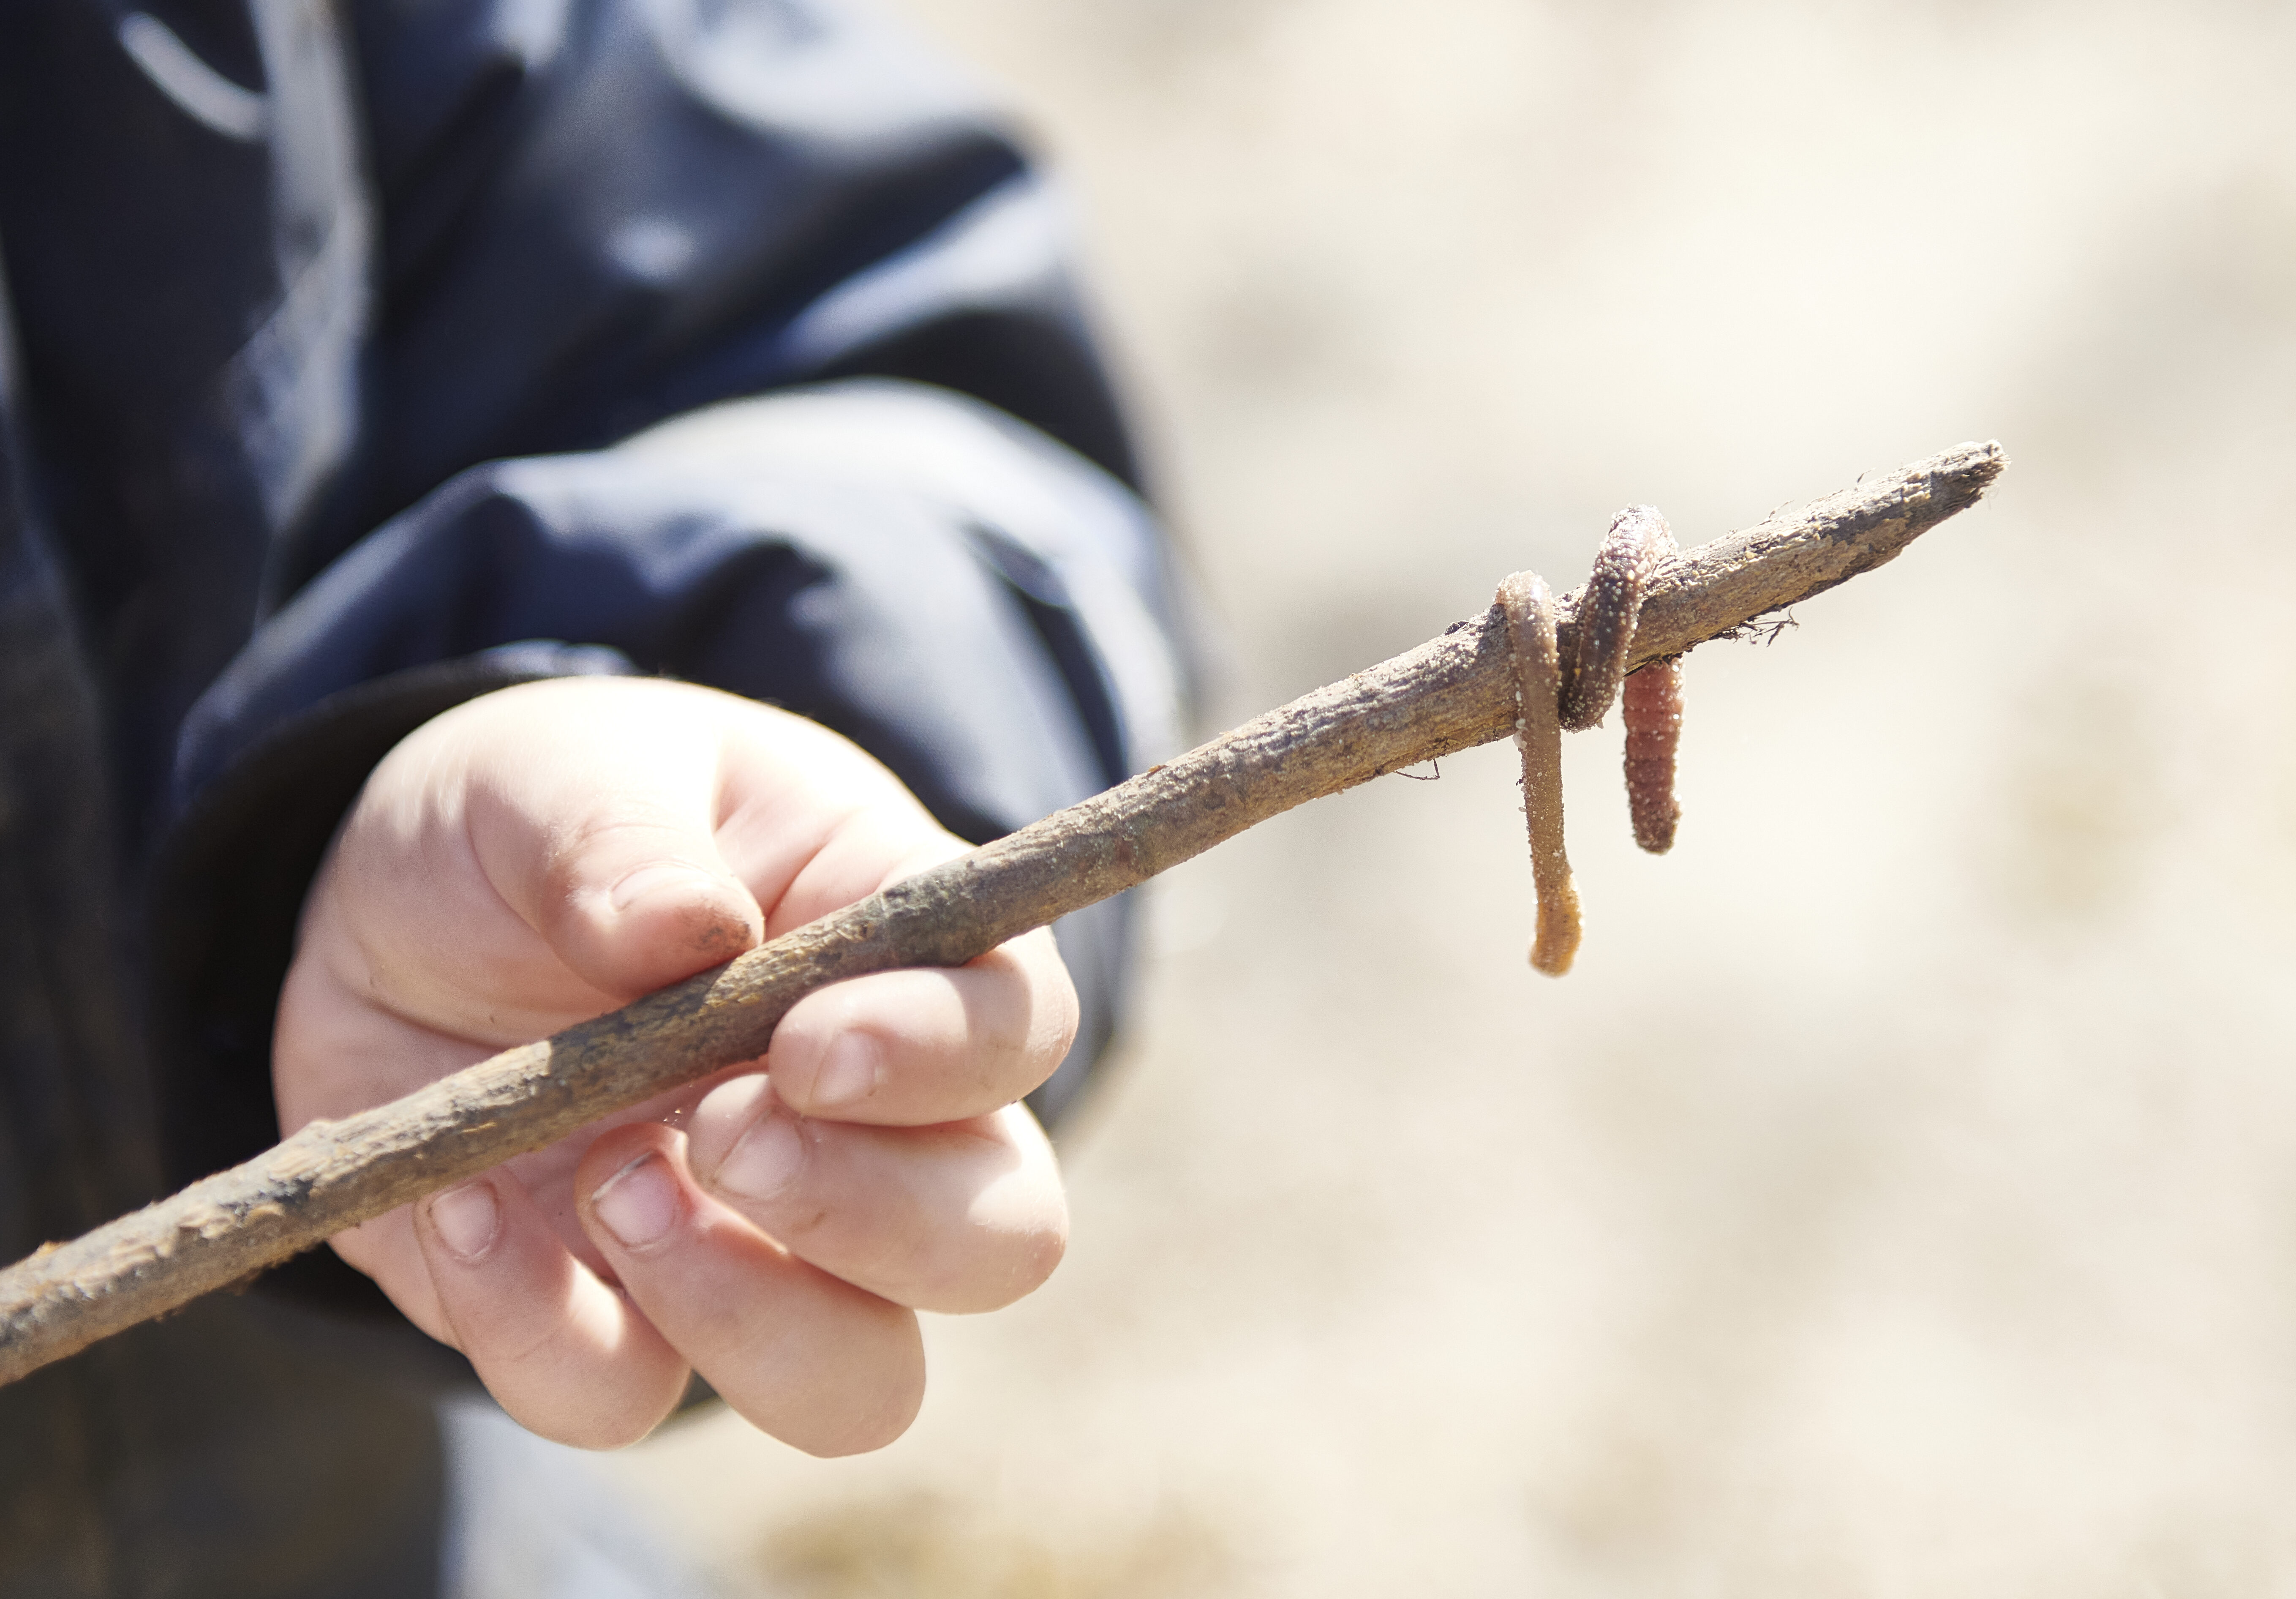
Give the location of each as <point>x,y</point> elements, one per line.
<point>1450,694</point>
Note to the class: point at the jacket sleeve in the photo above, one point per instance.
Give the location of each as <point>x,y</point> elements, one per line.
<point>734,343</point>
<point>600,213</point>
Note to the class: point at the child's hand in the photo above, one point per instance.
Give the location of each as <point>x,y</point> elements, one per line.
<point>547,853</point>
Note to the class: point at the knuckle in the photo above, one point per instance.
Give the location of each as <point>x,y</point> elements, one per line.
<point>536,1350</point>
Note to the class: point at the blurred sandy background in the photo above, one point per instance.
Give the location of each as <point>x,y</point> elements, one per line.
<point>1900,1198</point>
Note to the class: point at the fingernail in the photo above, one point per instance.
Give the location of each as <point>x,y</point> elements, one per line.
<point>465,1219</point>
<point>849,1071</point>
<point>671,876</point>
<point>764,1161</point>
<point>638,1203</point>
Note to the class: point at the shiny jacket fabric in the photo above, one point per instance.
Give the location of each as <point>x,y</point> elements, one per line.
<point>352,363</point>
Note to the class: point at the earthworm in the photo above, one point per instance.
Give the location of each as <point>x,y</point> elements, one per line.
<point>1651,701</point>
<point>1529,608</point>
<point>1652,706</point>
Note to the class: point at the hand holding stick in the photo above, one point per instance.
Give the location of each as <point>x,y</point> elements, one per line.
<point>1451,693</point>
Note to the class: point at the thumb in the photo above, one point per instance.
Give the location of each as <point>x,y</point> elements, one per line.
<point>619,870</point>
<point>646,904</point>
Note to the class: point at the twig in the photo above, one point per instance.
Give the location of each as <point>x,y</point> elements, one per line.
<point>1450,694</point>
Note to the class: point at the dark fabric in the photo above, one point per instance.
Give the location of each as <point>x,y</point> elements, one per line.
<point>204,1455</point>
<point>320,343</point>
<point>239,1449</point>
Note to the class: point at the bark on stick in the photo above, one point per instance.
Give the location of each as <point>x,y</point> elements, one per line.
<point>1450,694</point>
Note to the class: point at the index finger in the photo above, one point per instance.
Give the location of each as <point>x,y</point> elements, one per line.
<point>921,1047</point>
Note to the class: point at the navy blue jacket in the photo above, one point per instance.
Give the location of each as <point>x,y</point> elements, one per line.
<point>351,369</point>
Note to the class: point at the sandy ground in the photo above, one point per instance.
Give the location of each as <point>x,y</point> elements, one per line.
<point>1900,1199</point>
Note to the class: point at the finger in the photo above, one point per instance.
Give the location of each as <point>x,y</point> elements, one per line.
<point>966,1216</point>
<point>565,1355</point>
<point>819,1364</point>
<point>876,843</point>
<point>917,1048</point>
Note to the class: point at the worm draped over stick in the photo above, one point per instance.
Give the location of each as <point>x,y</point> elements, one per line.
<point>1551,694</point>
<point>1454,691</point>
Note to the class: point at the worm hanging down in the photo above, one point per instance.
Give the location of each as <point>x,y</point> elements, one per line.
<point>1529,608</point>
<point>1651,704</point>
